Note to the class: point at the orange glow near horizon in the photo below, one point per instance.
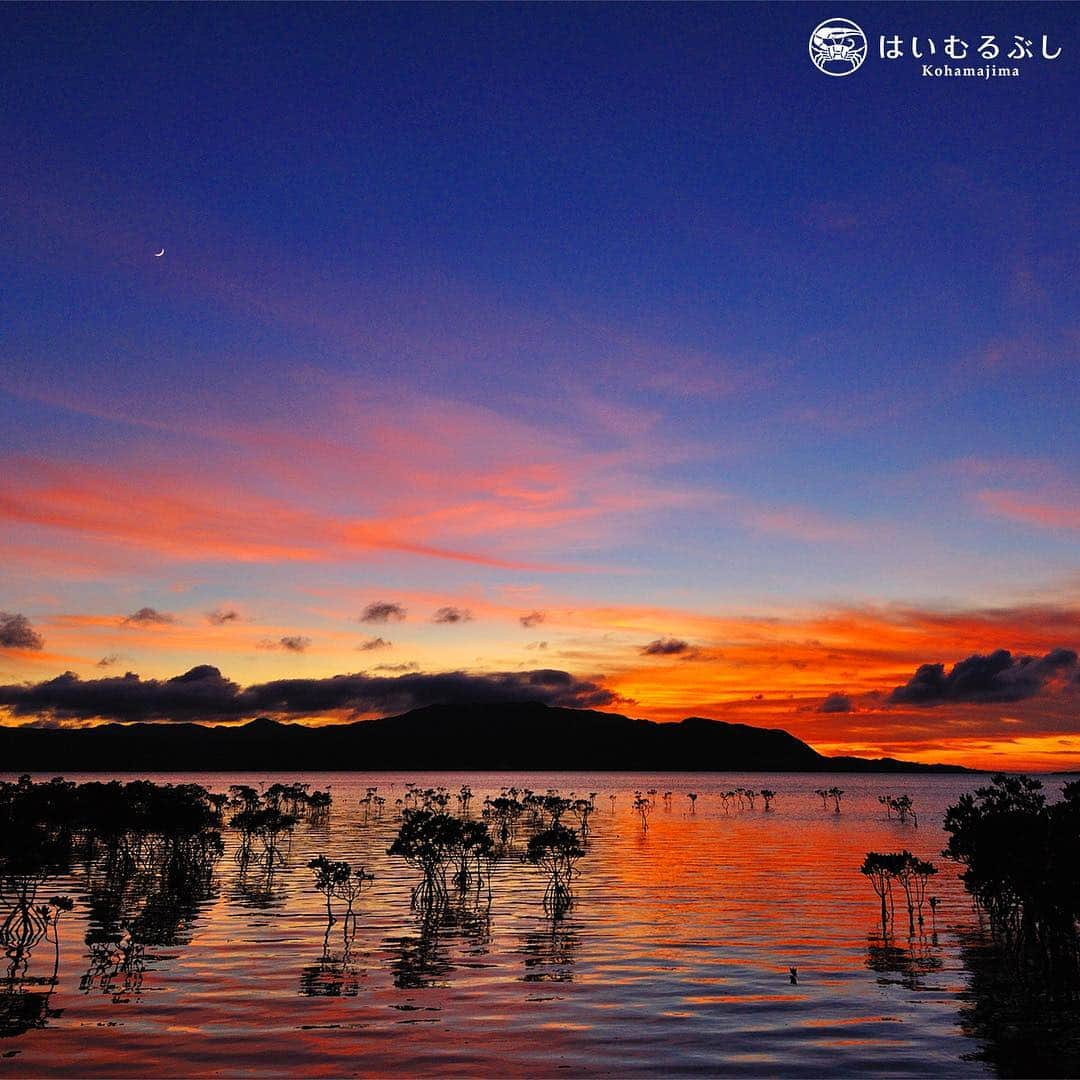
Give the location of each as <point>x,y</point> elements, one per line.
<point>768,670</point>
<point>516,525</point>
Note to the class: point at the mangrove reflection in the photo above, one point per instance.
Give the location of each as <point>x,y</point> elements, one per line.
<point>335,973</point>
<point>147,854</point>
<point>25,997</point>
<point>1021,858</point>
<point>1025,1024</point>
<point>550,951</point>
<point>423,958</point>
<point>910,961</point>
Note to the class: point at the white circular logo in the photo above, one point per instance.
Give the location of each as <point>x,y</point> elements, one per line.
<point>837,46</point>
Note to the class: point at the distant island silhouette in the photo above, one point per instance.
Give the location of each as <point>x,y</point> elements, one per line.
<point>512,736</point>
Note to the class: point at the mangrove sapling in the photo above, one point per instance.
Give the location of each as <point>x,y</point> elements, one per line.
<point>421,842</point>
<point>874,868</point>
<point>921,872</point>
<point>904,874</point>
<point>555,806</point>
<point>642,807</point>
<point>913,875</point>
<point>267,826</point>
<point>329,875</point>
<point>824,795</point>
<point>245,847</point>
<point>556,852</point>
<point>692,796</point>
<point>244,796</point>
<point>430,799</point>
<point>768,795</point>
<point>338,879</point>
<point>429,841</point>
<point>469,844</point>
<point>271,827</point>
<point>349,890</point>
<point>490,856</point>
<point>504,813</point>
<point>217,805</point>
<point>882,871</point>
<point>288,798</point>
<point>318,803</point>
<point>905,808</point>
<point>836,794</point>
<point>581,809</point>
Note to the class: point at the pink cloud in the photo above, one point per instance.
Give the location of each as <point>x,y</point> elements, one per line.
<point>214,519</point>
<point>1044,510</point>
<point>798,523</point>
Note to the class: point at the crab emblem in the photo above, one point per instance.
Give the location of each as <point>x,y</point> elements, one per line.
<point>837,46</point>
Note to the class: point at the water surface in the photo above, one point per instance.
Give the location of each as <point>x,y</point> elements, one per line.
<point>674,958</point>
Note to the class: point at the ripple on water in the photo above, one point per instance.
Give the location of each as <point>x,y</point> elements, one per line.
<point>674,959</point>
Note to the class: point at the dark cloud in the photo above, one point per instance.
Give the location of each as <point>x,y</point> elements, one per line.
<point>537,645</point>
<point>382,612</point>
<point>366,694</point>
<point>220,618</point>
<point>449,615</point>
<point>998,677</point>
<point>148,616</point>
<point>836,703</point>
<point>108,661</point>
<point>290,643</point>
<point>408,666</point>
<point>294,643</point>
<point>17,633</point>
<point>374,643</point>
<point>666,647</point>
<point>203,693</point>
<point>534,618</point>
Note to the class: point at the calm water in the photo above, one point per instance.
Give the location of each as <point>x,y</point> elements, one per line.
<point>673,959</point>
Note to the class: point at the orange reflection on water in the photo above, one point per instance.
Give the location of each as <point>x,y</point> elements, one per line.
<point>676,954</point>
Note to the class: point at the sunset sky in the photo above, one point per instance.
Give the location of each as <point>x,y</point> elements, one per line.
<point>497,341</point>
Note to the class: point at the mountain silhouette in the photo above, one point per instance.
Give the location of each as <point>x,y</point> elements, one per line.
<point>527,736</point>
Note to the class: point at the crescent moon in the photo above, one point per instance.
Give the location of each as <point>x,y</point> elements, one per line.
<point>158,254</point>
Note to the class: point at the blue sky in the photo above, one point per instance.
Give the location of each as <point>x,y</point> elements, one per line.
<point>602,307</point>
